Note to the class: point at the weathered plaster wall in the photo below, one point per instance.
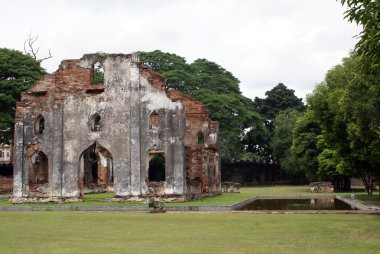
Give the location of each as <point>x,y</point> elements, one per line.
<point>203,161</point>
<point>68,100</point>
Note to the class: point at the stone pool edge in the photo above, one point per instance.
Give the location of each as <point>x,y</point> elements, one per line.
<point>362,209</point>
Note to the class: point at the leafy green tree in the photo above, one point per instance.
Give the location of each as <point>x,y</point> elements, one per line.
<point>257,143</point>
<point>361,100</point>
<point>367,14</point>
<point>162,62</point>
<point>334,159</point>
<point>215,87</point>
<point>310,154</point>
<point>360,105</point>
<point>347,109</point>
<point>327,164</point>
<point>278,99</point>
<point>210,75</point>
<point>282,136</point>
<point>173,67</point>
<point>304,147</point>
<point>17,73</point>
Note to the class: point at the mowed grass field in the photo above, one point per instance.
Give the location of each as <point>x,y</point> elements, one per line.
<point>188,232</point>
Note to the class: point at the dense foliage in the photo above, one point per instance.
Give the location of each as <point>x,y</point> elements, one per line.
<point>304,147</point>
<point>17,73</point>
<point>278,100</point>
<point>218,89</point>
<point>246,127</point>
<point>366,13</point>
<point>339,135</point>
<point>282,137</point>
<point>345,114</point>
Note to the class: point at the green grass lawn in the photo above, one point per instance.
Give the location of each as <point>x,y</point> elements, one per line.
<point>98,199</point>
<point>133,232</point>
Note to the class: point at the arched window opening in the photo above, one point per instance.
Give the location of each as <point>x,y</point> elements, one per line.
<point>96,170</point>
<point>40,125</point>
<point>39,170</point>
<point>154,120</point>
<point>98,73</point>
<point>95,122</point>
<point>157,168</point>
<point>200,138</point>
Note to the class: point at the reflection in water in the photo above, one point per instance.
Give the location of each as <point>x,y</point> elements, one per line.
<point>322,204</point>
<point>298,204</point>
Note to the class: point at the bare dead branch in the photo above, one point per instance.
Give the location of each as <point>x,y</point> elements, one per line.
<point>31,50</point>
<point>46,57</point>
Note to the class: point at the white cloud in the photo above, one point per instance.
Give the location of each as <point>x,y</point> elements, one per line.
<point>261,42</point>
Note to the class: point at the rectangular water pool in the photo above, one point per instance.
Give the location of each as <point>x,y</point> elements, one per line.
<point>298,204</point>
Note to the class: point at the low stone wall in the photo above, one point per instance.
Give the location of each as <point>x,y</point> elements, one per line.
<point>256,173</point>
<point>6,184</point>
<point>321,187</point>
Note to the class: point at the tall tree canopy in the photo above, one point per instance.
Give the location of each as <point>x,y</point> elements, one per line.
<point>347,111</point>
<point>282,136</point>
<point>304,147</point>
<point>246,127</point>
<point>215,87</point>
<point>346,106</point>
<point>367,14</point>
<point>17,73</point>
<point>279,98</point>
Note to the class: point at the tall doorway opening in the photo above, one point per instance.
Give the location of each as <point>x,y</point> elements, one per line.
<point>95,170</point>
<point>38,173</point>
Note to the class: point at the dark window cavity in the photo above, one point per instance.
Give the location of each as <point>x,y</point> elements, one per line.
<point>157,168</point>
<point>40,125</point>
<point>95,122</point>
<point>200,138</point>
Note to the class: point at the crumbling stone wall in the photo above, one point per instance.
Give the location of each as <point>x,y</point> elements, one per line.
<point>202,147</point>
<point>72,132</point>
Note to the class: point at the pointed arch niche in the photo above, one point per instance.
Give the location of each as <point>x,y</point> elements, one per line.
<point>39,125</point>
<point>154,120</point>
<point>38,171</point>
<point>95,170</point>
<point>95,122</point>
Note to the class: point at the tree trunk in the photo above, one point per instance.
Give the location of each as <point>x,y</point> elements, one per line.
<point>372,182</point>
<point>368,183</point>
<point>347,183</point>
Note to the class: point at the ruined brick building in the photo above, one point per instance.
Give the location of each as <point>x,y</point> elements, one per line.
<point>125,132</point>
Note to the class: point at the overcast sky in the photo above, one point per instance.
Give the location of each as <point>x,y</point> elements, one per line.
<point>262,42</point>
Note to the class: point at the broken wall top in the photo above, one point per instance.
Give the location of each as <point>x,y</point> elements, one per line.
<point>75,77</point>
